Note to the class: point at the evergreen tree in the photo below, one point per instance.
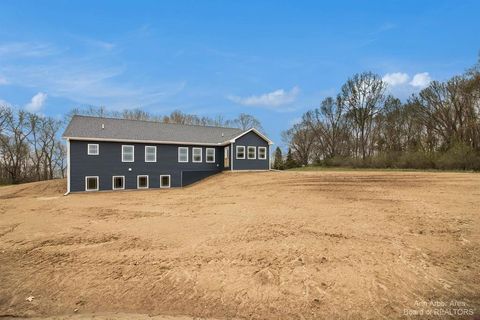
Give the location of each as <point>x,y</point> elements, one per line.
<point>278,160</point>
<point>290,162</point>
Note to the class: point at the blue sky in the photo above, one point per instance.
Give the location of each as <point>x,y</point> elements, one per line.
<point>272,59</point>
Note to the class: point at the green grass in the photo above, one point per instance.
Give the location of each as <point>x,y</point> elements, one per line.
<point>324,168</point>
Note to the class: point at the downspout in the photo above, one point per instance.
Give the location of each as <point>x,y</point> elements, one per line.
<point>68,168</point>
<point>231,156</point>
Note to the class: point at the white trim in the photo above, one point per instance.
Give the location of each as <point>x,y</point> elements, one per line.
<point>155,148</point>
<point>231,156</point>
<point>88,149</point>
<point>193,155</point>
<point>169,180</point>
<point>255,153</point>
<point>133,152</point>
<point>236,152</point>
<point>254,130</point>
<point>179,154</point>
<point>113,183</point>
<point>138,179</point>
<point>206,155</point>
<point>68,167</point>
<point>264,148</point>
<point>86,184</point>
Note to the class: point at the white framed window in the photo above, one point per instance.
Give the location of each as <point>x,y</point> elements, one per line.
<point>150,154</point>
<point>165,181</point>
<point>196,154</point>
<point>93,149</point>
<point>142,182</point>
<point>262,153</point>
<point>182,154</point>
<point>91,183</point>
<point>251,152</point>
<point>240,152</point>
<point>210,155</point>
<point>128,153</point>
<point>118,182</point>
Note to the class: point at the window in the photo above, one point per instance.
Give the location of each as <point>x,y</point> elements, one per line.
<point>182,154</point>
<point>91,183</point>
<point>142,182</point>
<point>150,154</point>
<point>240,152</point>
<point>251,152</point>
<point>118,182</point>
<point>210,155</point>
<point>197,155</point>
<point>165,181</point>
<point>262,153</point>
<point>92,149</point>
<point>128,153</point>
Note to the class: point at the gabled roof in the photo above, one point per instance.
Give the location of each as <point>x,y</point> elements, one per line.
<point>112,129</point>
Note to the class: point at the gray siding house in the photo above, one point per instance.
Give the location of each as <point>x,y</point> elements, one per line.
<point>118,154</point>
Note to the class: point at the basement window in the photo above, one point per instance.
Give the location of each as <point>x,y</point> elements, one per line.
<point>251,152</point>
<point>165,181</point>
<point>142,182</point>
<point>91,183</point>
<point>118,182</point>
<point>210,155</point>
<point>262,153</point>
<point>197,155</point>
<point>92,149</point>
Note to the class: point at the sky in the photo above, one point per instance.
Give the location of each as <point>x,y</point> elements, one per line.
<point>272,59</point>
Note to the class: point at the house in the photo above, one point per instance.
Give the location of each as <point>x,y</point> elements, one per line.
<point>117,154</point>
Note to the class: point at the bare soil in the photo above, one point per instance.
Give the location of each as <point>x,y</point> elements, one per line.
<point>273,245</point>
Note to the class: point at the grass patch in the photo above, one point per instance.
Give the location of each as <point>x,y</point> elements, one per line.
<point>326,168</point>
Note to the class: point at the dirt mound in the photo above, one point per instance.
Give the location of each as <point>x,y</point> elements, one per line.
<point>48,188</point>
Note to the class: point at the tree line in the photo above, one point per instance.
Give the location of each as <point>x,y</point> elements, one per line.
<point>31,148</point>
<point>363,126</point>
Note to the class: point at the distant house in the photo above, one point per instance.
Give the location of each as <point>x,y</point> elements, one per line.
<point>117,154</point>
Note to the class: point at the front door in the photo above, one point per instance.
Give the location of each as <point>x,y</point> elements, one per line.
<point>226,157</point>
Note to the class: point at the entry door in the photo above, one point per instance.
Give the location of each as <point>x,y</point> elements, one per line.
<point>226,158</point>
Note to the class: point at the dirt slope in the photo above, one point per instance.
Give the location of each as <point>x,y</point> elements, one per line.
<point>276,245</point>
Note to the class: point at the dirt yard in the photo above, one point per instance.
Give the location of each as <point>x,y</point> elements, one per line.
<point>273,245</point>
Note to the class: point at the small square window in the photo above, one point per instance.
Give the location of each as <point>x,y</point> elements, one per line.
<point>240,152</point>
<point>118,182</point>
<point>150,154</point>
<point>210,155</point>
<point>197,155</point>
<point>142,182</point>
<point>91,183</point>
<point>128,153</point>
<point>262,153</point>
<point>182,154</point>
<point>251,152</point>
<point>165,181</point>
<point>93,149</point>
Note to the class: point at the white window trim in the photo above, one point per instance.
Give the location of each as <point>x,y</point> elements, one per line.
<point>206,155</point>
<point>169,180</point>
<point>263,148</point>
<point>255,153</point>
<point>86,184</point>
<point>193,155</point>
<point>90,153</point>
<point>155,148</point>
<point>236,152</point>
<point>133,152</point>
<point>138,180</point>
<point>182,148</point>
<point>113,183</point>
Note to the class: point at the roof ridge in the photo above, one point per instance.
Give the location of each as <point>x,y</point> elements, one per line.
<point>160,122</point>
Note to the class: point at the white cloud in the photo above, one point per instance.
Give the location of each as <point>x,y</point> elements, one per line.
<point>421,80</point>
<point>396,78</point>
<point>3,81</point>
<point>37,102</point>
<point>27,49</point>
<point>273,99</point>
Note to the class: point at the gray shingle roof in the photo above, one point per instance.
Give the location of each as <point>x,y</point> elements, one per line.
<point>86,127</point>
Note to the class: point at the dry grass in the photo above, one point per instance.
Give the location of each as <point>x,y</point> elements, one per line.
<point>276,245</point>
